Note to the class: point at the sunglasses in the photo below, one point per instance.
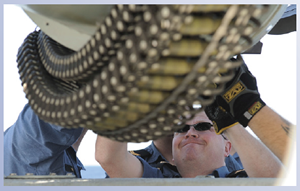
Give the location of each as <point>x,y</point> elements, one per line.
<point>203,126</point>
<point>199,127</point>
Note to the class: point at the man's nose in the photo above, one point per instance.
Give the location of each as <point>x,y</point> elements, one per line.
<point>192,132</point>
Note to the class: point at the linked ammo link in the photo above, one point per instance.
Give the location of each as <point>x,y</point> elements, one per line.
<point>147,70</point>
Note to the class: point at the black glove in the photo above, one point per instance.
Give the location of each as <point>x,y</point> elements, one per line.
<point>241,98</point>
<point>221,119</point>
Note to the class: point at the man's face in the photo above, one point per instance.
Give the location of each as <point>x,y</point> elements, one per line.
<point>201,146</point>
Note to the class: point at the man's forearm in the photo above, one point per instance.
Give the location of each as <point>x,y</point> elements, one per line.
<point>116,160</point>
<point>274,131</point>
<point>257,159</point>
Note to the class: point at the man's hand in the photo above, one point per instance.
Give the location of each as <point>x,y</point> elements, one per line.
<point>221,119</point>
<point>241,98</point>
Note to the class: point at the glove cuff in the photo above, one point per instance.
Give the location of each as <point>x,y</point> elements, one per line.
<point>253,109</point>
<point>219,131</point>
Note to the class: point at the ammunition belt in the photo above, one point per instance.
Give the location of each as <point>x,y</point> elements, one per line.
<point>145,72</point>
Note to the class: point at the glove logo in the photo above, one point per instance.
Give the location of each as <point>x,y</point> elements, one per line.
<point>255,108</point>
<point>234,91</point>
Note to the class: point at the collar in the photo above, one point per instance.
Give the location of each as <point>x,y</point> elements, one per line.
<point>221,172</point>
<point>80,164</point>
<point>155,154</point>
<point>235,155</point>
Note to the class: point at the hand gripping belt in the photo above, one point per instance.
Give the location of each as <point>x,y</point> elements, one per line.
<point>145,72</point>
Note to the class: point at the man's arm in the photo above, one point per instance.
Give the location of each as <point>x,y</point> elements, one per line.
<point>116,160</point>
<point>242,101</point>
<point>257,159</point>
<point>274,131</point>
<point>34,146</point>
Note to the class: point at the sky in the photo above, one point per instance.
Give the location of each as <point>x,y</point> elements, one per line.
<point>274,69</point>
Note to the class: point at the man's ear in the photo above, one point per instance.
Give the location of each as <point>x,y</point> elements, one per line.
<point>227,147</point>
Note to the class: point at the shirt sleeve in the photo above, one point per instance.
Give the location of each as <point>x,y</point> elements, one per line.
<point>149,171</point>
<point>31,143</point>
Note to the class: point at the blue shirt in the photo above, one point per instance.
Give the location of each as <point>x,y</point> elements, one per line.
<point>34,146</point>
<point>157,160</point>
<point>152,172</point>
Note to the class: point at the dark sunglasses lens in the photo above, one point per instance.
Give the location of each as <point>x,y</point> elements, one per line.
<point>203,126</point>
<point>198,127</point>
<point>184,129</point>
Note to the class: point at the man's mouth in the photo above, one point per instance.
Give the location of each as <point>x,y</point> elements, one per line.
<point>193,142</point>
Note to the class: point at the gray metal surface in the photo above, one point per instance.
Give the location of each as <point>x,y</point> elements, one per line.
<point>146,182</point>
<point>64,23</point>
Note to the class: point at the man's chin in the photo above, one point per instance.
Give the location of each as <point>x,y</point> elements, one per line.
<point>192,151</point>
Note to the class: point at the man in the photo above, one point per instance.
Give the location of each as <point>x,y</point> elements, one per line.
<point>226,116</point>
<point>195,153</point>
<point>34,146</point>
